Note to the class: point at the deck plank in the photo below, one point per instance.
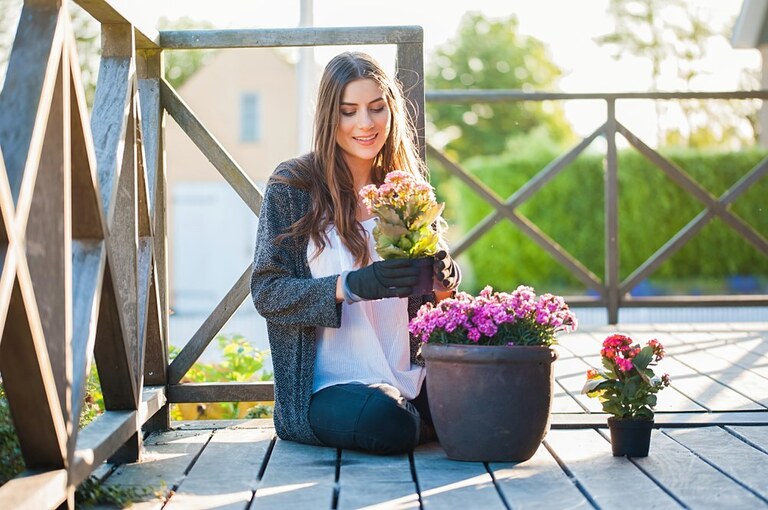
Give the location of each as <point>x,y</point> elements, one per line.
<point>587,454</point>
<point>374,481</point>
<point>570,373</point>
<point>743,381</point>
<point>165,459</point>
<point>449,484</point>
<point>563,402</point>
<point>705,390</point>
<point>692,480</point>
<point>538,483</point>
<point>297,476</point>
<point>747,351</point>
<point>756,435</point>
<point>225,474</point>
<point>736,458</point>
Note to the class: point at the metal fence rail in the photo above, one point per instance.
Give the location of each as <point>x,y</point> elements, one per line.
<point>613,293</point>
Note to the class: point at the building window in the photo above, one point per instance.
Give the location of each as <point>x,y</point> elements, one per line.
<point>250,117</point>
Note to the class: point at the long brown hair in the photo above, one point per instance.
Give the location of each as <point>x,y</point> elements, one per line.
<point>326,175</point>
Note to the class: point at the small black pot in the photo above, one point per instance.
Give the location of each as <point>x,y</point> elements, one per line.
<point>631,438</point>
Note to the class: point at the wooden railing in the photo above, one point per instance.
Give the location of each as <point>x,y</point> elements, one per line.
<point>83,235</point>
<point>613,293</point>
<point>83,231</point>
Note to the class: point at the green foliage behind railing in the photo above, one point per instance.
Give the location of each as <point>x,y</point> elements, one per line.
<point>570,210</point>
<point>11,462</point>
<point>241,362</point>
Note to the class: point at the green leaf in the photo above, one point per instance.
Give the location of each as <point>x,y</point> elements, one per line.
<point>643,358</point>
<point>590,386</point>
<point>388,214</point>
<point>390,229</point>
<point>425,243</point>
<point>610,368</point>
<point>427,217</point>
<point>391,252</point>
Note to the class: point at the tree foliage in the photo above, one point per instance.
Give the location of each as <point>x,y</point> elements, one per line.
<point>179,64</point>
<point>674,36</point>
<point>491,54</point>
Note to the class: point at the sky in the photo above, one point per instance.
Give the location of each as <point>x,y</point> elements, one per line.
<point>567,27</point>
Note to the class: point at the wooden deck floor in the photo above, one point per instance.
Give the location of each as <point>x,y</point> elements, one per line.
<point>711,450</point>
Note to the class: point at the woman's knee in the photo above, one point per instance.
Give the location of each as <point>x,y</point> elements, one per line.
<point>374,418</point>
<point>388,423</point>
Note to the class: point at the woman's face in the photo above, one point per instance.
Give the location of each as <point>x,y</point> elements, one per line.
<point>364,123</point>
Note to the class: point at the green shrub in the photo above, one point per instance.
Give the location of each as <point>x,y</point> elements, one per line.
<point>11,461</point>
<point>569,209</point>
<point>242,362</point>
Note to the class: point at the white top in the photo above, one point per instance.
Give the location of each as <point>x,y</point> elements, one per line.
<point>372,345</point>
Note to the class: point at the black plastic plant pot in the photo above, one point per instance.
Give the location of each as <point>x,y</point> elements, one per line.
<point>630,438</point>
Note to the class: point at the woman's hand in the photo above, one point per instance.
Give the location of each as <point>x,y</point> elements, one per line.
<point>383,279</point>
<point>447,272</point>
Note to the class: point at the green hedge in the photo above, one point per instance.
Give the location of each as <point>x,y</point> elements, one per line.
<point>569,209</point>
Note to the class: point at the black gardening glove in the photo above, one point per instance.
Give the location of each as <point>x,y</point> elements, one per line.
<point>383,279</point>
<point>447,272</point>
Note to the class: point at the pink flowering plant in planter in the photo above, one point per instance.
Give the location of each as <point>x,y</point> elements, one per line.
<point>501,342</point>
<point>494,318</point>
<point>406,210</point>
<point>627,384</point>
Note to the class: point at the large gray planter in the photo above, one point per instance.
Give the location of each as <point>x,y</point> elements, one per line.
<point>490,403</point>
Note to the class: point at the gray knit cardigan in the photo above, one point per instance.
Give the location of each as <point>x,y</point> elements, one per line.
<point>294,304</point>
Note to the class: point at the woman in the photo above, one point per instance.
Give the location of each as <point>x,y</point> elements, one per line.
<point>347,373</point>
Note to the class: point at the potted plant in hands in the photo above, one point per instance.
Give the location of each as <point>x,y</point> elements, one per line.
<point>489,370</point>
<point>406,211</point>
<point>627,388</point>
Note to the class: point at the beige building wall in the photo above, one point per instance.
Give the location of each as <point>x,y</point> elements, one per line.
<point>214,95</point>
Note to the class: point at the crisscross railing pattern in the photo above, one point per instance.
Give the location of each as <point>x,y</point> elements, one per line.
<point>83,235</point>
<point>613,293</point>
<point>82,275</point>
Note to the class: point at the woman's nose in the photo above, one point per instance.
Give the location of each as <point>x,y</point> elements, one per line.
<point>364,120</point>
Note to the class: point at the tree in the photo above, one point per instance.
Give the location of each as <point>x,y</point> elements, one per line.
<point>181,64</point>
<point>86,34</point>
<point>673,36</point>
<point>492,54</point>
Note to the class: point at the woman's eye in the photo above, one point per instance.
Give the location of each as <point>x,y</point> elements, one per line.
<point>377,110</point>
<point>347,114</point>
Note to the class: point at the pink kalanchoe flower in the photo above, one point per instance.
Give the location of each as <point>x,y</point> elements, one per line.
<point>625,365</point>
<point>658,349</point>
<point>627,388</point>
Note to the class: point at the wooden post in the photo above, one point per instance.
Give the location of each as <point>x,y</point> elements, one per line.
<point>149,67</point>
<point>410,73</point>
<point>114,130</point>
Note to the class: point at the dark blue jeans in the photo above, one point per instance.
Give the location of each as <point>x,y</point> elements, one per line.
<point>372,417</point>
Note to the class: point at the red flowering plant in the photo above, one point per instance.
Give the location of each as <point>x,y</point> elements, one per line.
<point>494,318</point>
<point>406,209</point>
<point>627,385</point>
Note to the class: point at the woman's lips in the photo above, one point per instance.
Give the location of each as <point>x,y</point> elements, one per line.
<point>365,140</point>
